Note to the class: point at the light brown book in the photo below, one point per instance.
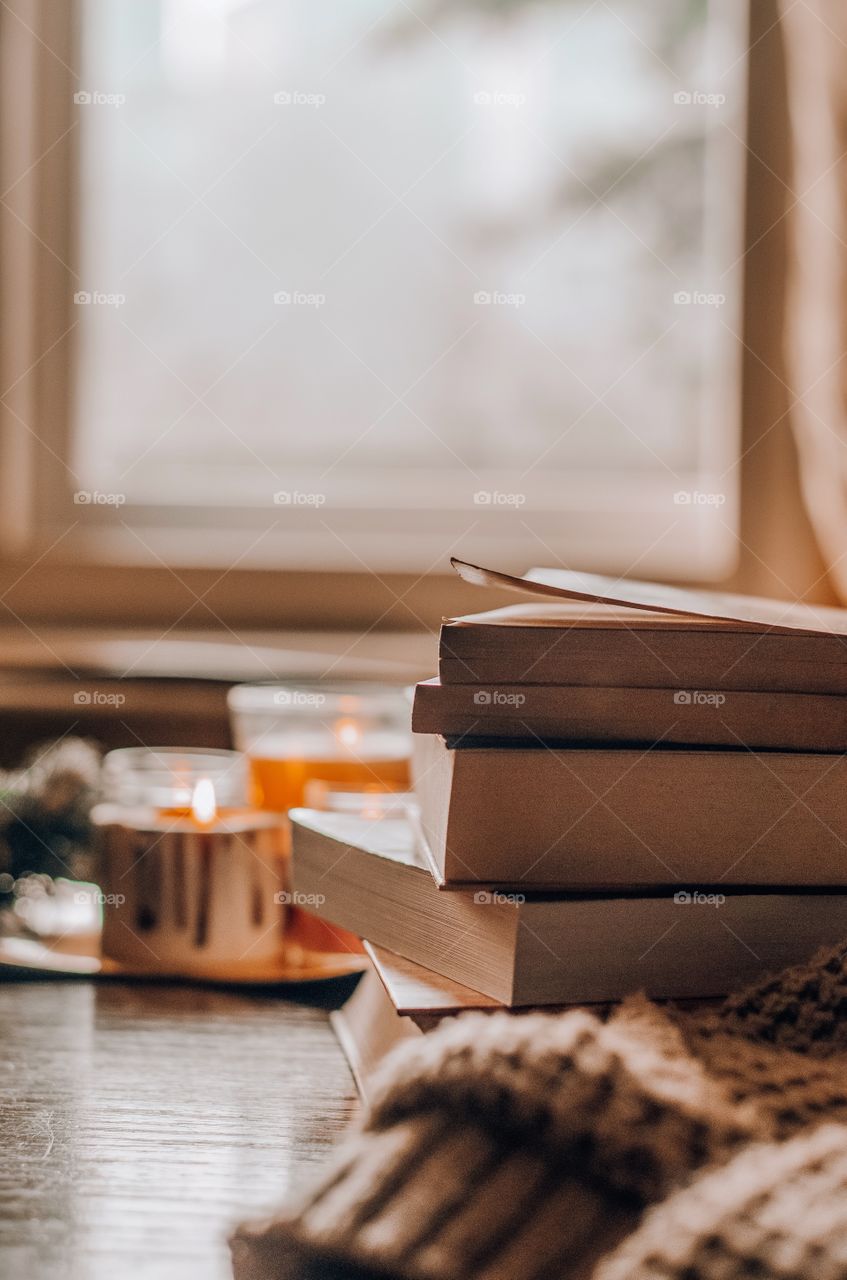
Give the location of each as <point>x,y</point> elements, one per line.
<point>576,714</point>
<point>582,818</point>
<point>522,949</point>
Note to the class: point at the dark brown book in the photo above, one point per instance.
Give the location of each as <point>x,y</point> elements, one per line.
<point>571,643</point>
<point>575,714</point>
<point>588,818</point>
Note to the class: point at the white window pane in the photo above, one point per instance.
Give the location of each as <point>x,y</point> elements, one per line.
<point>299,211</point>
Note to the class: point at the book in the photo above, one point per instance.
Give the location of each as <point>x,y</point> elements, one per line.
<point>713,606</point>
<point>589,630</point>
<point>563,642</point>
<point>581,818</point>
<point>370,877</point>
<point>367,1027</point>
<point>465,713</point>
<point>422,995</point>
<point>395,1000</point>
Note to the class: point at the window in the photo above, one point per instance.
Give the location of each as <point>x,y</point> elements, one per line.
<point>358,286</point>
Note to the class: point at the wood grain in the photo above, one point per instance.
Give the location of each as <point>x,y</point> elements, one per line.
<point>139,1124</point>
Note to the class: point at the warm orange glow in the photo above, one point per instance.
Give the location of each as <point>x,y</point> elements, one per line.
<point>348,733</point>
<point>204,807</point>
<point>284,783</point>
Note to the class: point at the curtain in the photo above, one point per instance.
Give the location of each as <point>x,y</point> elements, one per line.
<point>815,34</point>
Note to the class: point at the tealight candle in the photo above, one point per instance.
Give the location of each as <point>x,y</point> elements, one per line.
<point>194,877</point>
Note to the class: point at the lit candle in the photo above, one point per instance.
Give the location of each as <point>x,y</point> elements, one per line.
<point>204,807</point>
<point>198,887</point>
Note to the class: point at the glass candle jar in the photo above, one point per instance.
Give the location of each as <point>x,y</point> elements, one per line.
<point>193,877</point>
<point>166,779</point>
<point>356,738</point>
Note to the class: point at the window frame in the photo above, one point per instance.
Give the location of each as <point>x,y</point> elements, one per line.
<point>44,538</point>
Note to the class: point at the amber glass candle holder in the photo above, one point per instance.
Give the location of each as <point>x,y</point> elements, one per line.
<point>297,736</point>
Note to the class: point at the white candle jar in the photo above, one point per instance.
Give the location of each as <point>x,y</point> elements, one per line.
<point>193,878</point>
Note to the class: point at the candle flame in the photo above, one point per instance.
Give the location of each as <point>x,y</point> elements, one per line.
<point>348,733</point>
<point>203,803</point>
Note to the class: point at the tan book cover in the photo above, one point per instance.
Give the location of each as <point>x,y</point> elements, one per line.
<point>552,949</point>
<point>583,818</point>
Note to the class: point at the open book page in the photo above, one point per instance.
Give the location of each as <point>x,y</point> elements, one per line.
<point>566,584</point>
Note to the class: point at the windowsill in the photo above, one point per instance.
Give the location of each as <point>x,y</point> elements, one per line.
<point>60,655</point>
<point>128,687</point>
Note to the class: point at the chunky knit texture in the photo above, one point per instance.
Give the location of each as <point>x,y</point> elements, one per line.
<point>657,1144</point>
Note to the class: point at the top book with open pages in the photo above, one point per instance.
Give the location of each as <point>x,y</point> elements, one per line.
<point>565,638</point>
<point>759,612</point>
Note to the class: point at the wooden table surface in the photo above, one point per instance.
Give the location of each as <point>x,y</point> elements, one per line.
<point>139,1123</point>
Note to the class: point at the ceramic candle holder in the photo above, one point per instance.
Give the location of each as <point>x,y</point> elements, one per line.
<point>193,878</point>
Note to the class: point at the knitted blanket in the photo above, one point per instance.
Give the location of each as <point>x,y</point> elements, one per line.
<point>656,1144</point>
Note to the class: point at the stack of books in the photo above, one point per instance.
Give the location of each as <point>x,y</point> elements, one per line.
<point>619,787</point>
